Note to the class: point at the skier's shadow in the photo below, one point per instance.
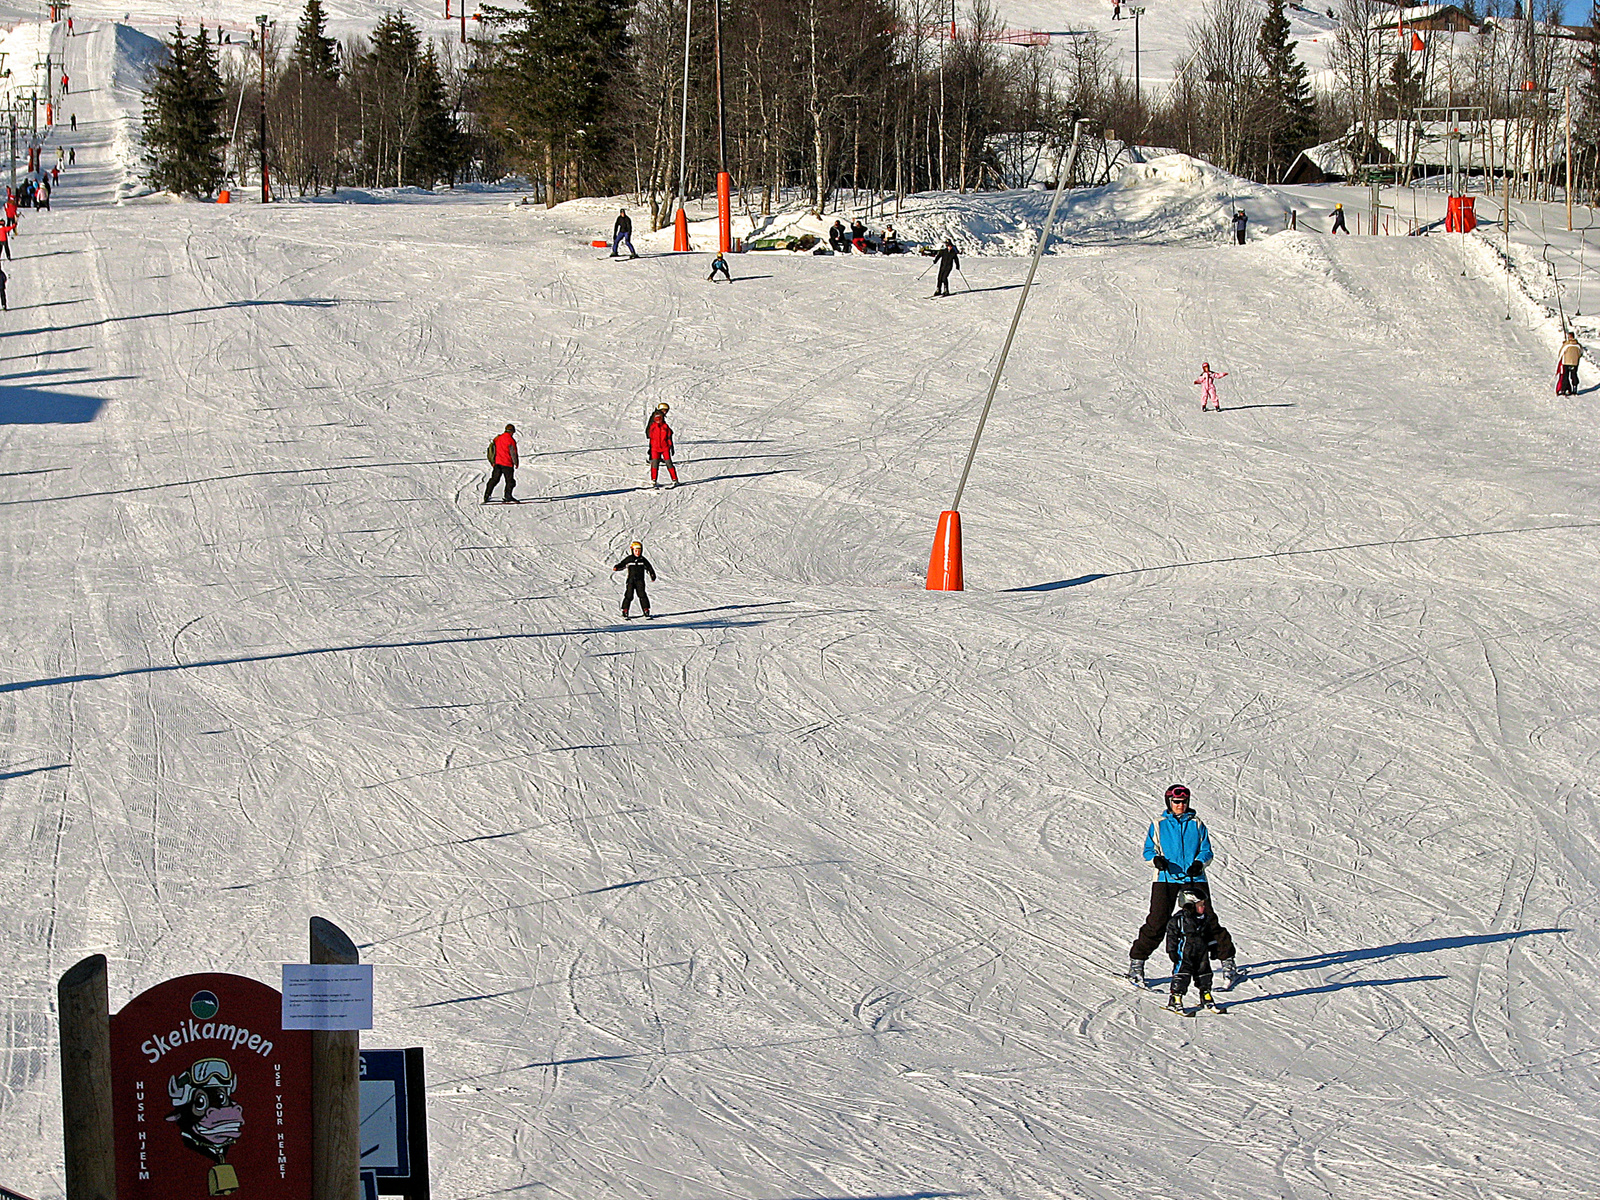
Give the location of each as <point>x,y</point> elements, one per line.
<point>1339,958</point>
<point>1334,987</point>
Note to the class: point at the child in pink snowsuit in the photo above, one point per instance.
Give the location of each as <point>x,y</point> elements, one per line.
<point>1208,386</point>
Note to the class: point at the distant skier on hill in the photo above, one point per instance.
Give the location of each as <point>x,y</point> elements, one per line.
<point>636,564</point>
<point>948,259</point>
<point>719,263</point>
<point>1208,386</point>
<point>1239,223</point>
<point>622,231</point>
<point>659,435</point>
<point>1179,848</point>
<point>1338,220</point>
<point>503,458</point>
<point>1191,940</point>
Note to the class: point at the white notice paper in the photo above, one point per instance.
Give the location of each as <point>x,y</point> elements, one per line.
<point>327,997</point>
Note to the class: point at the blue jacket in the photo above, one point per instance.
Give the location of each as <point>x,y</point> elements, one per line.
<point>1182,841</point>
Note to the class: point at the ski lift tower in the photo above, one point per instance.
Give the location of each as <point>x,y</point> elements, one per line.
<point>1460,128</point>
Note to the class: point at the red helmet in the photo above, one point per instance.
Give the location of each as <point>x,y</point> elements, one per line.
<point>1177,792</point>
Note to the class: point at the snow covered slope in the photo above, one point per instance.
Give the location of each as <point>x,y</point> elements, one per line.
<point>817,884</point>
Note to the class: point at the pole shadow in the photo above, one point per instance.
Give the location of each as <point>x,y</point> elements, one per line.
<point>1243,407</point>
<point>178,483</point>
<point>305,302</point>
<point>33,771</point>
<point>1238,558</point>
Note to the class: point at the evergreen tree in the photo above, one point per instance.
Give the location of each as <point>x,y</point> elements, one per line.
<point>183,119</point>
<point>551,77</point>
<point>435,139</point>
<point>1404,90</point>
<point>315,54</point>
<point>1290,123</point>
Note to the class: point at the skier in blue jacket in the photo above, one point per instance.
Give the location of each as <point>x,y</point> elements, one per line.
<point>1179,848</point>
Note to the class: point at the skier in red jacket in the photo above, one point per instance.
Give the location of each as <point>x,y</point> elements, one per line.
<point>503,458</point>
<point>660,435</point>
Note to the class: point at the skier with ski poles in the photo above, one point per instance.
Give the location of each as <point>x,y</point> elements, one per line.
<point>945,259</point>
<point>1191,938</point>
<point>636,564</point>
<point>659,434</point>
<point>503,458</point>
<point>1239,223</point>
<point>1208,386</point>
<point>1179,848</point>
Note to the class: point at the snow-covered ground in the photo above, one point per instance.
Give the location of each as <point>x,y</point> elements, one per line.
<point>817,885</point>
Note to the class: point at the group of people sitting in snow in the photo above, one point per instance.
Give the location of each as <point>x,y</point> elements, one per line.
<point>842,240</point>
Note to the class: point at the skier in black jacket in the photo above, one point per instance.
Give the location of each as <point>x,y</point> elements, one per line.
<point>622,232</point>
<point>637,566</point>
<point>947,259</point>
<point>1191,937</point>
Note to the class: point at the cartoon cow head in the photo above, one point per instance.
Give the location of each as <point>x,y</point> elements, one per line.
<point>202,1107</point>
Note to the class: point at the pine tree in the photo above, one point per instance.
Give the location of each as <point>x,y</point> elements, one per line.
<point>1291,120</point>
<point>183,119</point>
<point>551,76</point>
<point>435,140</point>
<point>315,53</point>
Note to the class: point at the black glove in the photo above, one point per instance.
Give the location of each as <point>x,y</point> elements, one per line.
<point>1196,871</point>
<point>1160,863</point>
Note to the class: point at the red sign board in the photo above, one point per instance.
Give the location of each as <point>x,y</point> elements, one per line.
<point>211,1095</point>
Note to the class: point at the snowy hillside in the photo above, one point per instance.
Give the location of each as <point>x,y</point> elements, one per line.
<point>817,884</point>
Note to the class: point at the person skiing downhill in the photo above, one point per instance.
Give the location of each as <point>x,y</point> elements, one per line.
<point>503,458</point>
<point>719,263</point>
<point>659,433</point>
<point>1208,386</point>
<point>1338,220</point>
<point>1179,848</point>
<point>622,232</point>
<point>1567,374</point>
<point>947,259</point>
<point>1191,937</point>
<point>637,565</point>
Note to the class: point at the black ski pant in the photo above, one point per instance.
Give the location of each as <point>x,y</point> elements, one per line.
<point>6,246</point>
<point>636,588</point>
<point>1239,233</point>
<point>1162,898</point>
<point>501,471</point>
<point>1193,965</point>
<point>1569,380</point>
<point>942,287</point>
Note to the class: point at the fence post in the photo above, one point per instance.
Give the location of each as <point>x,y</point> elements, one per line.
<point>84,1013</point>
<point>335,1085</point>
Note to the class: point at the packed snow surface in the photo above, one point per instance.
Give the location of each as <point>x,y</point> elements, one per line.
<point>817,884</point>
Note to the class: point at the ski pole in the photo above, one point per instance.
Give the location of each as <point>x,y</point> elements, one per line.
<point>964,282</point>
<point>925,271</point>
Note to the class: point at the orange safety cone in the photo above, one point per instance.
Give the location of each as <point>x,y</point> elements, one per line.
<point>944,564</point>
<point>224,196</point>
<point>680,236</point>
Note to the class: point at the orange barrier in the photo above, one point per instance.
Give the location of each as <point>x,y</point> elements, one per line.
<point>600,243</point>
<point>224,196</point>
<point>680,235</point>
<point>724,213</point>
<point>944,564</point>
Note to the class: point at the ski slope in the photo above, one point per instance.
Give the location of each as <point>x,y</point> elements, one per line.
<point>818,884</point>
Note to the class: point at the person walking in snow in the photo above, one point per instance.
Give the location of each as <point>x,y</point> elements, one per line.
<point>659,434</point>
<point>622,231</point>
<point>1571,356</point>
<point>1179,848</point>
<point>503,458</point>
<point>1191,940</point>
<point>1338,220</point>
<point>1239,223</point>
<point>1208,386</point>
<point>74,122</point>
<point>72,156</point>
<point>637,566</point>
<point>719,263</point>
<point>947,260</point>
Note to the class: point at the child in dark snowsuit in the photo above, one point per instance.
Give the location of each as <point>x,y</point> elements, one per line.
<point>637,565</point>
<point>719,264</point>
<point>1191,936</point>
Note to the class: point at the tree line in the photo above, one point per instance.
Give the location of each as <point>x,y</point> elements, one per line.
<point>832,101</point>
